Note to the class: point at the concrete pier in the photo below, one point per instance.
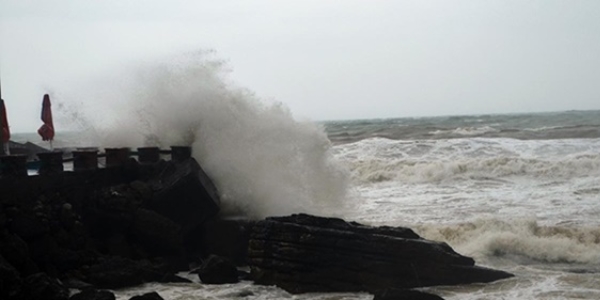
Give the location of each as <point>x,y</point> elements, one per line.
<point>148,154</point>
<point>116,157</point>
<point>85,160</point>
<point>13,165</point>
<point>50,163</point>
<point>180,153</point>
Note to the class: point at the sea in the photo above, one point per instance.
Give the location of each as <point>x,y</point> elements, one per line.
<point>517,192</point>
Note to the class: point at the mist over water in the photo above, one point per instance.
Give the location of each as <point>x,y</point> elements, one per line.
<point>262,160</point>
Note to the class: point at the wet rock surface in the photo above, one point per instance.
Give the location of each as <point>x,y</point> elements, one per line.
<point>119,272</point>
<point>303,253</point>
<point>41,286</point>
<point>10,281</point>
<point>218,270</point>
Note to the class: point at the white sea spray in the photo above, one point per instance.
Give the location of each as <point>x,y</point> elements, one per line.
<point>262,160</point>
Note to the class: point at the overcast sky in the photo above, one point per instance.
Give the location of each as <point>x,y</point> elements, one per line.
<point>324,59</point>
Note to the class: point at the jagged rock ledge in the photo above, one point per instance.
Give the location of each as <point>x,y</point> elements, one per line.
<point>303,253</point>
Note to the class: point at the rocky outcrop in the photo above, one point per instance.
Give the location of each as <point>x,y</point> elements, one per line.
<point>109,228</point>
<point>227,238</point>
<point>41,286</point>
<point>10,281</point>
<point>118,221</point>
<point>118,272</point>
<point>218,270</point>
<point>303,253</point>
<point>184,194</point>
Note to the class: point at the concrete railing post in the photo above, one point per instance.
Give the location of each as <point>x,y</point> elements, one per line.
<point>148,154</point>
<point>13,165</point>
<point>116,157</point>
<point>180,153</point>
<point>85,160</point>
<point>50,163</point>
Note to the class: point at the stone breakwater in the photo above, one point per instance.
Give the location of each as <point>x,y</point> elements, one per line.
<point>106,228</point>
<point>141,222</point>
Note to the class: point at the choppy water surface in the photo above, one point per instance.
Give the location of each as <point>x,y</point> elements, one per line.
<point>521,203</point>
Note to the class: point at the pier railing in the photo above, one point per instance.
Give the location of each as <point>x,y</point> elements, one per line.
<point>86,159</point>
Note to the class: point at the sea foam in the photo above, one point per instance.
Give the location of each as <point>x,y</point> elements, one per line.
<point>524,239</point>
<point>420,161</point>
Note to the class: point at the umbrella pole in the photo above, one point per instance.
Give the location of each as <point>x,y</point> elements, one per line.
<point>2,151</point>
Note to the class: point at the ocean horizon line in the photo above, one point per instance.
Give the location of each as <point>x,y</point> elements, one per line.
<point>461,115</point>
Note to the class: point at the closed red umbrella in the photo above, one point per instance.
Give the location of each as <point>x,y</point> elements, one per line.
<point>47,130</point>
<point>5,129</point>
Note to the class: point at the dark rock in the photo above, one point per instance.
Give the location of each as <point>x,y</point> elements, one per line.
<point>74,283</point>
<point>339,224</point>
<point>92,294</point>
<point>147,296</point>
<point>28,226</point>
<point>66,214</point>
<point>303,253</point>
<point>116,244</point>
<point>110,211</point>
<point>184,194</point>
<point>16,251</point>
<point>122,227</point>
<point>172,278</point>
<point>218,270</point>
<point>10,280</point>
<point>43,250</point>
<point>119,272</point>
<point>74,225</point>
<point>43,287</point>
<point>143,190</point>
<point>398,294</point>
<point>243,275</point>
<point>227,238</point>
<point>158,234</point>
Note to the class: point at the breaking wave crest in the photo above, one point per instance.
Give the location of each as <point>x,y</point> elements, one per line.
<point>410,170</point>
<point>262,160</point>
<point>377,160</point>
<point>465,131</point>
<point>521,239</point>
